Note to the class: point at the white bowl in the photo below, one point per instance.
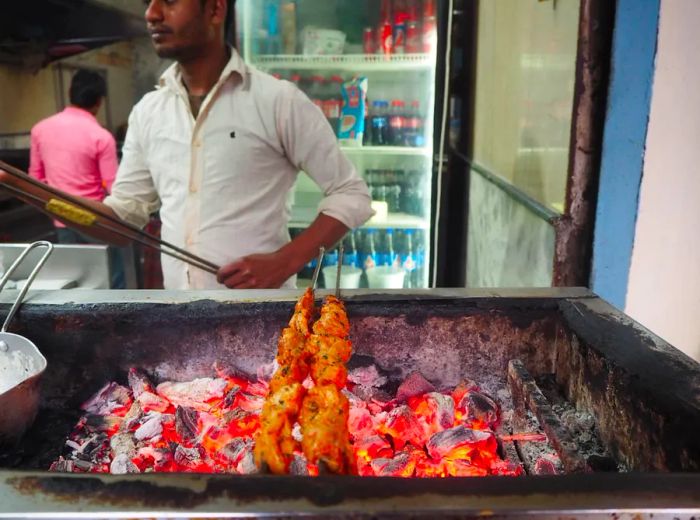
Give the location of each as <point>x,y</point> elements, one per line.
<point>385,277</point>
<point>349,277</point>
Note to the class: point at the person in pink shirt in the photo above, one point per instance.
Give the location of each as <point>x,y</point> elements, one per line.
<point>72,152</point>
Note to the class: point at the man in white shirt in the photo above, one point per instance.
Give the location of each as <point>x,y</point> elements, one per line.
<point>216,148</point>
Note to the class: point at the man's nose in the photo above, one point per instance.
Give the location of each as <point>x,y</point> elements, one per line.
<point>154,13</point>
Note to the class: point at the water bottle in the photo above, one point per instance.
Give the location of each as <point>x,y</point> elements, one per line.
<point>419,272</point>
<point>351,257</point>
<point>330,258</point>
<point>389,255</point>
<point>272,27</point>
<point>408,261</point>
<point>371,258</point>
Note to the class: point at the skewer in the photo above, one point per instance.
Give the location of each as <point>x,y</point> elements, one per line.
<point>123,229</point>
<point>341,252</point>
<point>314,280</point>
<point>190,259</point>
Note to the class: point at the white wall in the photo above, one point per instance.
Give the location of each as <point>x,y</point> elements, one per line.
<point>664,283</point>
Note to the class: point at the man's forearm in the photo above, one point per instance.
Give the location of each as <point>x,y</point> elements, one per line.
<point>39,197</point>
<point>325,231</point>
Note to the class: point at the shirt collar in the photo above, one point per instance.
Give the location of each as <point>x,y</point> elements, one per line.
<point>79,111</point>
<point>172,77</point>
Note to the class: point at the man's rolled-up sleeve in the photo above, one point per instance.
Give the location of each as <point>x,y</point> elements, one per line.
<point>133,197</point>
<point>311,145</point>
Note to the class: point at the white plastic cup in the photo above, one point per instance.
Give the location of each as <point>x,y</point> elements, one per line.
<point>349,277</point>
<point>385,277</point>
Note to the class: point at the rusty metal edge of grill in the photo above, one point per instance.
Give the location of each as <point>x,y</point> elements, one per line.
<point>28,493</point>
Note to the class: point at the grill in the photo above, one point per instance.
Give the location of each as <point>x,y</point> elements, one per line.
<point>555,359</point>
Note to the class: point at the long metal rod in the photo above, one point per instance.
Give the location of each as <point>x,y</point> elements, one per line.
<point>120,232</point>
<point>341,254</point>
<point>16,172</point>
<point>314,279</point>
<point>30,280</point>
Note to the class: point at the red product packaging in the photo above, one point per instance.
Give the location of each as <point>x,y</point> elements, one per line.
<point>368,41</point>
<point>413,38</point>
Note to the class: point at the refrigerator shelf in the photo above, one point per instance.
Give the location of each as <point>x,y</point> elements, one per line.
<point>352,151</point>
<point>393,221</point>
<point>351,62</point>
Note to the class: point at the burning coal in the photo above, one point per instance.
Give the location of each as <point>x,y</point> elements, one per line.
<point>208,425</point>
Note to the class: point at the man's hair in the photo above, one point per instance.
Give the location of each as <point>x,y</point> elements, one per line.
<point>87,88</point>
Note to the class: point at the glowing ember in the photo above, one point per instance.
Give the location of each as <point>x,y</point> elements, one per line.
<point>208,425</point>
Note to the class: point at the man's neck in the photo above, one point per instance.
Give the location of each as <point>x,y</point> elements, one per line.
<point>200,74</point>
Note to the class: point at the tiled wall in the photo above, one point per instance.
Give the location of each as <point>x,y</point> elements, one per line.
<point>509,245</point>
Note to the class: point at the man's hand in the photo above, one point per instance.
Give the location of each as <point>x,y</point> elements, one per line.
<point>268,271</point>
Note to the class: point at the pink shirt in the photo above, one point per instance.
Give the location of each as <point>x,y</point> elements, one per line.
<point>71,152</point>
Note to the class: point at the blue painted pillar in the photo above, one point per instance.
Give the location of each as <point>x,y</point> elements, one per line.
<point>629,102</point>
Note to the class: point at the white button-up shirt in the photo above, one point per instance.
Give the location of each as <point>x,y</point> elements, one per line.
<point>222,181</point>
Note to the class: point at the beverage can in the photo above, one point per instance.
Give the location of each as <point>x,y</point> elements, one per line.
<point>429,34</point>
<point>413,39</point>
<point>369,42</point>
<point>386,39</point>
<point>400,38</point>
<point>397,123</point>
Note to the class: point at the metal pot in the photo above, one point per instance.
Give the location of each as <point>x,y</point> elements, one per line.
<point>19,404</point>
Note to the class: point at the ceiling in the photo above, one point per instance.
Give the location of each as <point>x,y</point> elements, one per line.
<point>34,33</point>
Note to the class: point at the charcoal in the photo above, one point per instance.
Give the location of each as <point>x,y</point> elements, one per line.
<point>267,370</point>
<point>235,450</point>
<point>152,402</point>
<point>465,386</point>
<point>373,447</point>
<point>110,398</point>
<point>436,410</point>
<point>188,457</point>
<point>506,468</point>
<point>545,466</point>
<point>479,410</point>
<point>360,422</point>
<point>461,468</point>
<point>602,463</point>
<point>251,402</point>
<point>367,376</point>
<point>368,393</point>
<point>231,396</point>
<point>139,382</point>
<point>62,466</point>
<point>402,465</point>
<point>194,394</point>
<point>102,423</point>
<point>403,427</point>
<point>83,465</point>
<point>186,423</point>
<point>415,384</point>
<point>151,427</point>
<point>122,464</point>
<point>459,442</point>
<point>247,464</point>
<point>132,417</point>
<point>299,466</point>
<point>123,444</point>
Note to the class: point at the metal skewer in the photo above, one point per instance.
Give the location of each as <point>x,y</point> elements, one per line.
<point>341,252</point>
<point>190,259</point>
<point>314,279</point>
<point>123,228</point>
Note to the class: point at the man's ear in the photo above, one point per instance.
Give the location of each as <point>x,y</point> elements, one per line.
<point>218,15</point>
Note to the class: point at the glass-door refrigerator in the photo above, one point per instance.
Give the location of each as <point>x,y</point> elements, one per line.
<point>371,67</point>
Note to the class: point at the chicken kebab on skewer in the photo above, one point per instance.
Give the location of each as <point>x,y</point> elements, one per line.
<point>325,409</point>
<point>274,443</point>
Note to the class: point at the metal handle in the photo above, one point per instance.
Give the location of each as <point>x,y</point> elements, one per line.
<point>30,280</point>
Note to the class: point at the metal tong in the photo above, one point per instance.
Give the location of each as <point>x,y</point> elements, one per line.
<point>317,270</point>
<point>74,210</point>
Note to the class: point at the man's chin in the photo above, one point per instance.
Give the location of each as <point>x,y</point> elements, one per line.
<point>165,52</point>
